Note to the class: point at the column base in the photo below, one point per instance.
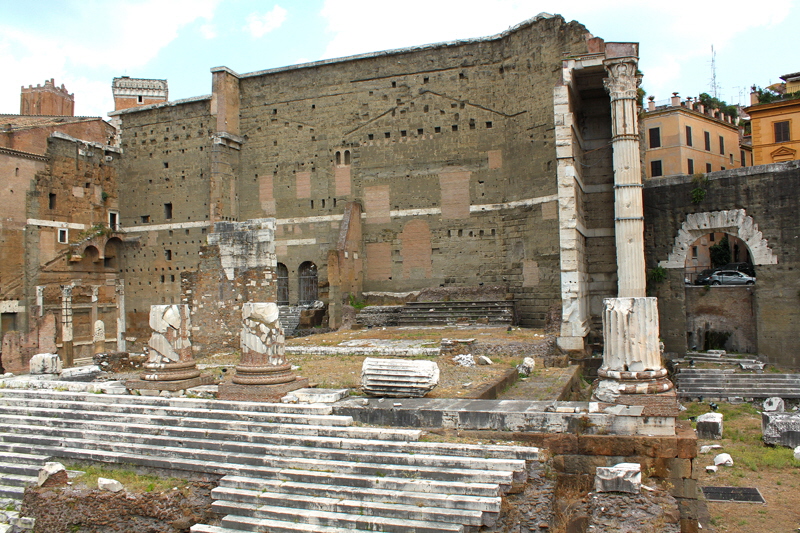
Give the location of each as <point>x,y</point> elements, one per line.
<point>259,393</point>
<point>176,371</point>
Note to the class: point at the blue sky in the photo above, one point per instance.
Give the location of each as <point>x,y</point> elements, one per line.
<point>84,44</point>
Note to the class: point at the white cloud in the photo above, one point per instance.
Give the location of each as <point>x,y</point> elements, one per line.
<point>208,31</point>
<point>260,25</point>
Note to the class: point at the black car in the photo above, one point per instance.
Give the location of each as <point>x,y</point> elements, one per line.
<point>703,278</point>
<point>745,268</point>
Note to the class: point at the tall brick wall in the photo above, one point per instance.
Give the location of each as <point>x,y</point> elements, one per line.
<point>455,139</point>
<point>770,195</point>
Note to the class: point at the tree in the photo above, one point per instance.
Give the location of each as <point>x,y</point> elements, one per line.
<point>720,253</point>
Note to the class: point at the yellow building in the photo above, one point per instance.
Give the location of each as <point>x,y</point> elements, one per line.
<point>684,138</point>
<point>775,126</point>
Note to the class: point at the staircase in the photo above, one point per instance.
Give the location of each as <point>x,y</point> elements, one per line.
<point>492,313</point>
<point>718,383</point>
<point>284,468</point>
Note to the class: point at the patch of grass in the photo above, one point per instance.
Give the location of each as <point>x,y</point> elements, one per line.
<point>132,481</point>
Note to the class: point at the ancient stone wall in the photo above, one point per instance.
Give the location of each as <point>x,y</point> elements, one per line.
<point>760,205</point>
<point>33,137</point>
<point>165,208</point>
<point>448,148</point>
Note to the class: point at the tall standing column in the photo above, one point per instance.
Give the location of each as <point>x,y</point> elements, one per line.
<point>622,85</point>
<point>66,325</point>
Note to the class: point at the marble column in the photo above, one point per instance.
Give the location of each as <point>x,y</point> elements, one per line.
<point>263,372</point>
<point>622,85</point>
<point>632,355</point>
<point>66,325</point>
<point>170,365</point>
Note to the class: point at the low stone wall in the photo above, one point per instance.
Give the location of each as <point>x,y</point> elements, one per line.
<point>378,316</point>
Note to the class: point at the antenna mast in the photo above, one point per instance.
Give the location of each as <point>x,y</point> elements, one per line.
<point>714,86</point>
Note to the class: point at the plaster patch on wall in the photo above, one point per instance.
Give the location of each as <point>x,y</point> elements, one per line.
<point>303,184</point>
<point>341,176</point>
<point>455,194</point>
<point>495,159</point>
<point>530,273</point>
<point>376,204</point>
<point>735,222</point>
<point>415,247</point>
<point>265,195</point>
<point>379,261</point>
<point>77,192</point>
<point>550,211</point>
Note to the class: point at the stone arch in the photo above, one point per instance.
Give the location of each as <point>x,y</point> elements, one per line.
<point>734,221</point>
<point>282,275</point>
<point>308,283</point>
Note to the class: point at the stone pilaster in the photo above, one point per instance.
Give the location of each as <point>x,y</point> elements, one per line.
<point>622,85</point>
<point>66,325</point>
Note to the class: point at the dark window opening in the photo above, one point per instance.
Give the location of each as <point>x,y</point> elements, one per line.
<point>145,219</point>
<point>721,145</point>
<point>688,136</point>
<point>707,139</point>
<point>655,137</point>
<point>708,167</point>
<point>655,169</point>
<point>347,157</point>
<point>168,255</point>
<point>52,202</point>
<point>691,166</point>
<point>168,210</point>
<point>782,131</point>
<point>488,124</point>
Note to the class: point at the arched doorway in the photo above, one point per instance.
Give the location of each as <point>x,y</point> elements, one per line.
<point>309,284</point>
<point>715,250</point>
<point>283,284</point>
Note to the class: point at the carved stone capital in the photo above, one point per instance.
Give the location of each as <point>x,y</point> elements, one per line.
<point>623,80</point>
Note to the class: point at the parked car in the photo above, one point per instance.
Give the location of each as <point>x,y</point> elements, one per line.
<point>747,268</point>
<point>703,278</point>
<point>731,277</point>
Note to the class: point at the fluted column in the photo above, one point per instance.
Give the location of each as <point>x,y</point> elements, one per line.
<point>622,85</point>
<point>169,346</point>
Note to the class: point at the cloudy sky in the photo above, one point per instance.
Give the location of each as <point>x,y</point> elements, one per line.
<point>85,43</point>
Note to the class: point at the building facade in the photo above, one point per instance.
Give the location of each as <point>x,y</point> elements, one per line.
<point>451,165</point>
<point>682,137</point>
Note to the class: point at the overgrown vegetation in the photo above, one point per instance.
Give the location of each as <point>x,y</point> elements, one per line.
<point>657,274</point>
<point>699,192</point>
<point>355,302</point>
<point>766,96</point>
<point>720,253</point>
<point>132,481</point>
<point>711,102</point>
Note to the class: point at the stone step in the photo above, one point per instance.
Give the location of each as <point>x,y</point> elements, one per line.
<point>485,504</point>
<point>268,518</point>
<point>11,492</point>
<point>191,404</point>
<point>480,303</point>
<point>241,502</point>
<point>350,445</point>
<point>230,466</point>
<point>17,480</point>
<point>255,456</point>
<point>244,416</point>
<point>409,463</point>
<point>276,527</point>
<point>240,427</point>
<point>18,468</point>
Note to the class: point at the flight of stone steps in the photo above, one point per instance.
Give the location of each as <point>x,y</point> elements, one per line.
<point>493,313</point>
<point>285,468</point>
<point>725,383</point>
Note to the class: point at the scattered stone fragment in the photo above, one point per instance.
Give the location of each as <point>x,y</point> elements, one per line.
<point>483,360</point>
<point>53,475</point>
<point>712,468</point>
<point>622,477</point>
<point>781,428</point>
<point>111,485</point>
<point>289,398</point>
<point>45,363</point>
<point>709,448</point>
<point>717,353</point>
<point>797,453</point>
<point>82,374</point>
<point>723,459</point>
<point>774,405</point>
<point>398,378</point>
<point>465,360</point>
<point>526,366</point>
<point>758,367</point>
<point>709,426</point>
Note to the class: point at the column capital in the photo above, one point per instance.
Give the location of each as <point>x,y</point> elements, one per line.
<point>623,78</point>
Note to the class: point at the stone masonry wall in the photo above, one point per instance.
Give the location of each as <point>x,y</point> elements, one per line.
<point>770,196</point>
<point>448,148</point>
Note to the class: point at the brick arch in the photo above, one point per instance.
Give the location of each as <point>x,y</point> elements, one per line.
<point>736,222</point>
